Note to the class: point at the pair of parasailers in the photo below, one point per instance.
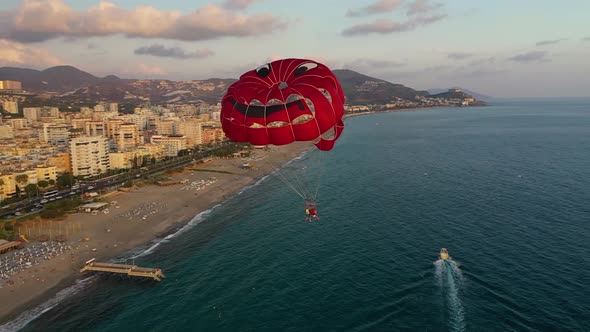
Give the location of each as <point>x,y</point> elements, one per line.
<point>310,210</point>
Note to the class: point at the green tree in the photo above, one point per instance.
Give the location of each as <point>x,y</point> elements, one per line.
<point>65,180</point>
<point>32,190</point>
<point>153,160</point>
<point>43,184</point>
<point>22,180</point>
<point>51,182</point>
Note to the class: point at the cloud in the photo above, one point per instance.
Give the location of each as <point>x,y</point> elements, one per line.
<point>389,26</point>
<point>41,20</point>
<point>586,39</point>
<point>377,7</point>
<point>533,56</point>
<point>238,4</point>
<point>478,62</point>
<point>172,52</point>
<point>472,73</point>
<point>370,65</point>
<point>91,46</point>
<point>550,42</point>
<point>16,54</point>
<point>459,55</point>
<point>422,7</point>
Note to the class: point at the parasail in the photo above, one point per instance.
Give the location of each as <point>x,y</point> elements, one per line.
<point>285,101</point>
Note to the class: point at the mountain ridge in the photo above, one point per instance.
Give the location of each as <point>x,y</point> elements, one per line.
<point>71,84</point>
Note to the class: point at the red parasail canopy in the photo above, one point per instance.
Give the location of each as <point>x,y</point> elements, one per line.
<point>285,101</point>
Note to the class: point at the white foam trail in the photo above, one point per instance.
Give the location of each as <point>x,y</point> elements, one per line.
<point>438,271</point>
<point>26,317</point>
<point>453,278</point>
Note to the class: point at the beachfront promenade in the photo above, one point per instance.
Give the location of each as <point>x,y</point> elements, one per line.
<point>129,270</point>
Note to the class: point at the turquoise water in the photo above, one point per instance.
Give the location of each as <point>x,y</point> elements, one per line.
<point>506,188</point>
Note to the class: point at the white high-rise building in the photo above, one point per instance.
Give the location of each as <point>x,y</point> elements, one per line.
<point>99,108</point>
<point>90,155</point>
<point>114,107</point>
<point>192,129</point>
<point>10,107</point>
<point>36,113</point>
<point>127,137</point>
<point>56,134</point>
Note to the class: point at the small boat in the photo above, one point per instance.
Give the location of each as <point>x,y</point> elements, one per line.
<point>444,253</point>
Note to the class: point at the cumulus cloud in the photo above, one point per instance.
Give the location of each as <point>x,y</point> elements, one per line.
<point>533,56</point>
<point>389,26</point>
<point>41,20</point>
<point>550,42</point>
<point>418,7</point>
<point>238,4</point>
<point>172,52</point>
<point>459,55</point>
<point>16,54</point>
<point>377,7</point>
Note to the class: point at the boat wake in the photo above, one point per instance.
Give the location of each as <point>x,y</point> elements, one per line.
<point>449,279</point>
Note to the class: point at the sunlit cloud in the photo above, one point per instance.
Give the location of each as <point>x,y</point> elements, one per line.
<point>41,20</point>
<point>16,54</point>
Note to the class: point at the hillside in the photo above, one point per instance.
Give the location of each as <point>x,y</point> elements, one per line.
<point>476,95</point>
<point>70,85</point>
<point>56,79</point>
<point>363,89</point>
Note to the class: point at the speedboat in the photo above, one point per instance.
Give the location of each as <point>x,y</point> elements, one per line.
<point>444,253</point>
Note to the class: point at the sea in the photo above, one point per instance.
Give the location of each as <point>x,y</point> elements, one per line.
<point>506,188</point>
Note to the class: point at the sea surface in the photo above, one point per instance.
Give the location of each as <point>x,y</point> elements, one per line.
<point>506,188</point>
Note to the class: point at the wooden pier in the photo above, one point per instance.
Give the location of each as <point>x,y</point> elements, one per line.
<point>130,270</point>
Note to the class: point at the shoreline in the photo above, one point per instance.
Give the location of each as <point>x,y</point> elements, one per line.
<point>411,109</point>
<point>123,237</point>
<point>145,215</point>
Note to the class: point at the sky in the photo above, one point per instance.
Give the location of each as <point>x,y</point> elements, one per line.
<point>503,48</point>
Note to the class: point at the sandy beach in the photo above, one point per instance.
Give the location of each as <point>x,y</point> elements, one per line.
<point>135,218</point>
